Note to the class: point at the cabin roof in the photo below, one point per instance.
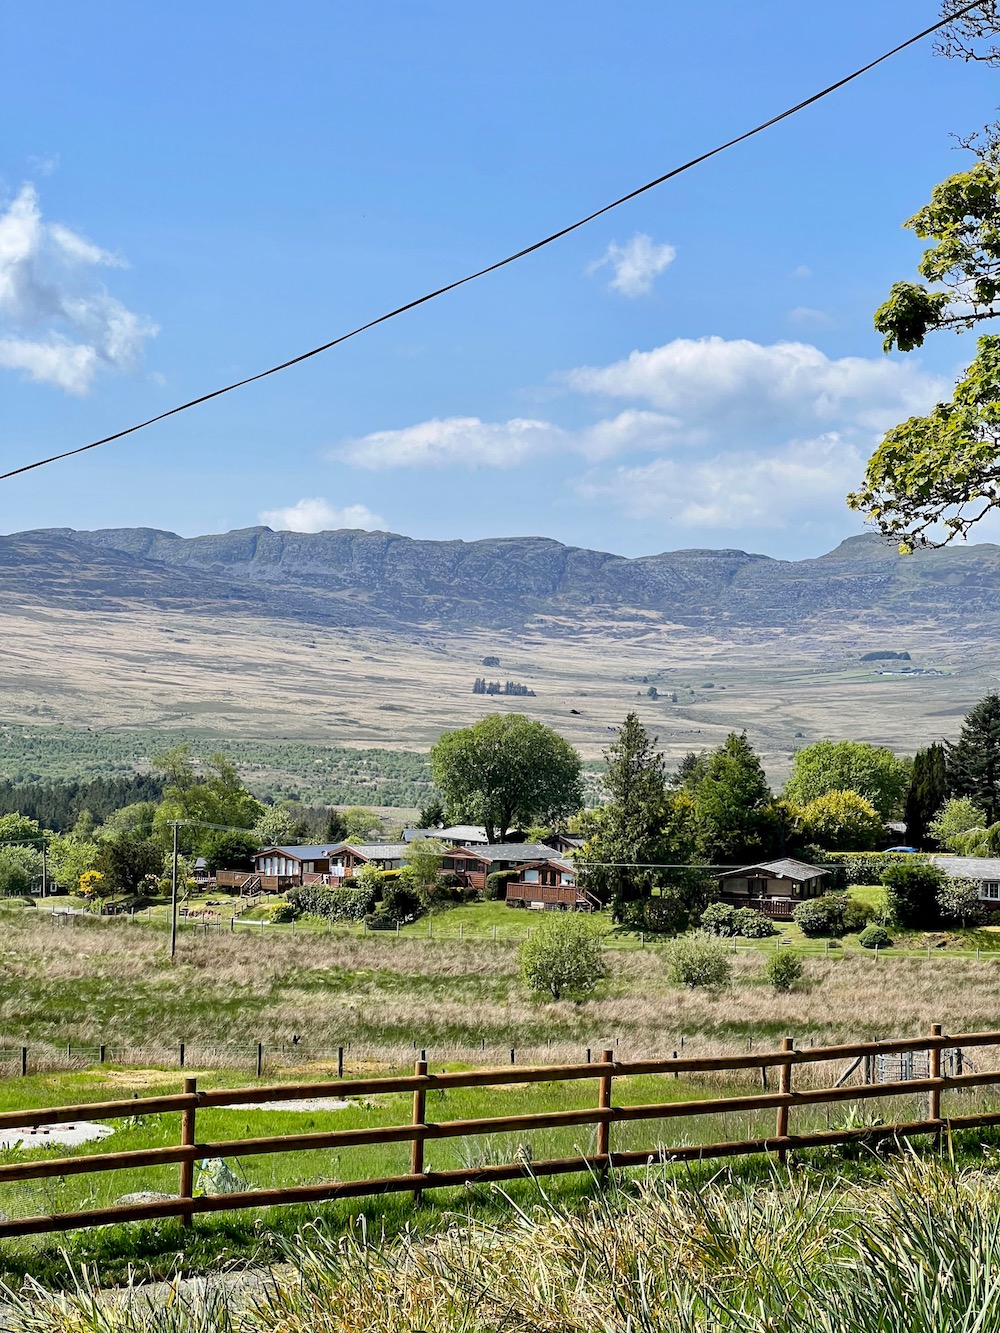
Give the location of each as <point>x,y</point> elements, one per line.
<point>786,868</point>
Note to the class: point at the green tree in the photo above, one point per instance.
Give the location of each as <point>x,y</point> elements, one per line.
<point>911,894</point>
<point>18,829</point>
<point>507,770</point>
<point>736,814</point>
<point>136,819</point>
<point>974,759</point>
<point>630,830</point>
<point>432,815</point>
<point>423,859</point>
<point>125,861</point>
<point>360,824</point>
<point>228,849</point>
<point>934,476</point>
<point>335,830</point>
<point>69,859</point>
<point>783,971</point>
<point>958,900</point>
<point>954,820</point>
<point>20,870</point>
<point>564,955</point>
<point>927,792</point>
<point>873,771</point>
<point>277,827</point>
<point>841,821</point>
<point>211,794</point>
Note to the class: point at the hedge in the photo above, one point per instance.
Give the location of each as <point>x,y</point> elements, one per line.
<point>863,867</point>
<point>340,904</point>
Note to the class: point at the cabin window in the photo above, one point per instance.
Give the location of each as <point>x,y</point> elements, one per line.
<point>991,889</point>
<point>566,878</point>
<point>531,877</point>
<point>447,863</point>
<point>757,887</point>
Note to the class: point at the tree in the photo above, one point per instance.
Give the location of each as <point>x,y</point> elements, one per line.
<point>956,818</point>
<point>20,869</point>
<point>423,859</point>
<point>126,861</point>
<point>841,821</point>
<point>911,894</point>
<point>507,770</point>
<point>277,827</point>
<point>19,830</point>
<point>213,795</point>
<point>360,823</point>
<point>628,831</point>
<point>432,815</point>
<point>783,971</point>
<point>933,477</point>
<point>873,771</point>
<point>335,830</point>
<point>734,809</point>
<point>229,850</point>
<point>563,955</point>
<point>958,900</point>
<point>974,759</point>
<point>70,859</point>
<point>927,792</point>
<point>136,819</point>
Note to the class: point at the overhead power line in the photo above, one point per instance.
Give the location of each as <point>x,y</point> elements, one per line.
<point>510,259</point>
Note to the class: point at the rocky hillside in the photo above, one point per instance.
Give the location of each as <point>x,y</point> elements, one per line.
<point>351,577</point>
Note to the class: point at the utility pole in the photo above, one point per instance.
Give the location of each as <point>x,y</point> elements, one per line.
<point>173,895</point>
<point>45,869</point>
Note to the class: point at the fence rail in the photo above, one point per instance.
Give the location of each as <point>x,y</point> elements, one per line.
<point>605,1072</point>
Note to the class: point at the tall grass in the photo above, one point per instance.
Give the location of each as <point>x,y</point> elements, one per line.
<point>918,1250</point>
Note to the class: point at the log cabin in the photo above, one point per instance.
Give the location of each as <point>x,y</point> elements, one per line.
<point>774,888</point>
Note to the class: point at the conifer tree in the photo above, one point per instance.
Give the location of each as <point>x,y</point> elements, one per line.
<point>974,759</point>
<point>927,794</point>
<point>735,811</point>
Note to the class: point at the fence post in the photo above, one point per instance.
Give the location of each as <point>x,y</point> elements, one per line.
<point>104,1050</point>
<point>934,1070</point>
<point>181,1055</point>
<point>784,1086</point>
<point>188,1140</point>
<point>419,1113</point>
<point>260,1058</point>
<point>24,1062</point>
<point>604,1124</point>
<point>340,1062</point>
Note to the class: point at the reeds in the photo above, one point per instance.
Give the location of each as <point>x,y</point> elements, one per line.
<point>915,1251</point>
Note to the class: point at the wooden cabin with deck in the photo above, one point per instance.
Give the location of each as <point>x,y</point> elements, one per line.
<point>550,886</point>
<point>774,888</point>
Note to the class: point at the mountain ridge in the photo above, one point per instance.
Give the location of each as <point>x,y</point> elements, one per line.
<point>352,577</point>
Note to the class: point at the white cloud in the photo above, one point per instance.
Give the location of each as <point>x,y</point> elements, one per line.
<point>318,515</point>
<point>636,265</point>
<point>57,324</point>
<point>469,442</point>
<point>745,386</point>
<point>805,314</point>
<point>799,485</point>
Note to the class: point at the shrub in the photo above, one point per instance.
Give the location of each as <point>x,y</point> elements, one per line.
<point>874,937</point>
<point>821,916</point>
<point>863,867</point>
<point>340,904</point>
<point>564,955</point>
<point>856,916</point>
<point>401,904</point>
<point>751,925</point>
<point>280,913</point>
<point>719,919</point>
<point>911,891</point>
<point>783,971</point>
<point>698,960</point>
<point>496,884</point>
<point>958,899</point>
<point>664,913</point>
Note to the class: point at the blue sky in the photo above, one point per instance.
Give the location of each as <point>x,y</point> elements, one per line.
<point>192,193</point>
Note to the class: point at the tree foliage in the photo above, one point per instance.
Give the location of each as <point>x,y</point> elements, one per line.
<point>958,900</point>
<point>206,794</point>
<point>841,821</point>
<point>564,955</point>
<point>954,820</point>
<point>126,861</point>
<point>974,759</point>
<point>911,894</point>
<point>934,476</point>
<point>927,792</point>
<point>736,815</point>
<point>873,771</point>
<point>507,770</point>
<point>20,870</point>
<point>698,961</point>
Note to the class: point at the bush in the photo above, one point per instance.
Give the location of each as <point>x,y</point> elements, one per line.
<point>856,916</point>
<point>19,867</point>
<point>821,916</point>
<point>381,921</point>
<point>719,919</point>
<point>911,891</point>
<point>280,913</point>
<point>340,904</point>
<point>664,913</point>
<point>698,960</point>
<point>401,904</point>
<point>751,925</point>
<point>496,884</point>
<point>874,937</point>
<point>564,955</point>
<point>959,900</point>
<point>783,971</point>
<point>862,867</point>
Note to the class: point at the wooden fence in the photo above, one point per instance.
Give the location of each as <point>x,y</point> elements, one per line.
<point>419,1131</point>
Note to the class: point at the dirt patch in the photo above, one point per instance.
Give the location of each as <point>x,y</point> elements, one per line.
<point>148,1078</point>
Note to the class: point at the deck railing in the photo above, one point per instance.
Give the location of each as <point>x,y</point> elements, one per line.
<point>606,1073</point>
